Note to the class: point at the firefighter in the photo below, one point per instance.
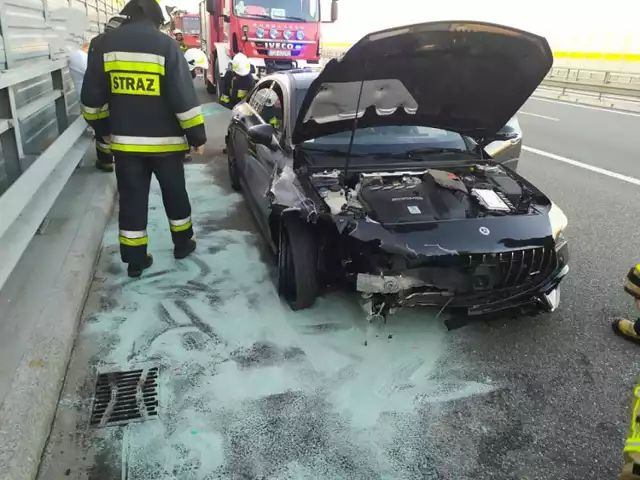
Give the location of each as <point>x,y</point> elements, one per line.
<point>627,328</point>
<point>631,452</point>
<point>177,34</point>
<point>138,92</point>
<point>237,81</point>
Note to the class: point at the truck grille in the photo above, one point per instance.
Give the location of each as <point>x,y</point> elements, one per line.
<point>516,269</point>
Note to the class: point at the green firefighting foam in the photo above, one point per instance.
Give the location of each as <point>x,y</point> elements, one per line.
<point>248,388</point>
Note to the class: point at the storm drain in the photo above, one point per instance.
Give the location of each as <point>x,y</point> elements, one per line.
<point>123,397</point>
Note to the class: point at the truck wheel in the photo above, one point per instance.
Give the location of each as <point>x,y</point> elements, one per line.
<point>216,76</point>
<point>233,169</point>
<point>297,264</point>
<point>208,85</point>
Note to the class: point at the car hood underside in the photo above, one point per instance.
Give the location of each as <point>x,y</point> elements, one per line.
<point>462,76</point>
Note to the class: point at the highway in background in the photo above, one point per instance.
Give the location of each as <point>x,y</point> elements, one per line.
<point>257,391</point>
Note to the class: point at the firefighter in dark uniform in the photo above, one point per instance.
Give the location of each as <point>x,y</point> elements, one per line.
<point>237,81</point>
<point>138,79</point>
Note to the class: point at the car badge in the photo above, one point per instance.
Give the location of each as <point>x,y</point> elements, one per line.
<point>484,230</point>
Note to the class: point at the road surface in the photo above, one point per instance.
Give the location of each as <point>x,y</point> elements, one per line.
<point>250,390</point>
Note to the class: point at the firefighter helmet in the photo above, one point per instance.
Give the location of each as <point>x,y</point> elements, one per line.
<point>241,65</point>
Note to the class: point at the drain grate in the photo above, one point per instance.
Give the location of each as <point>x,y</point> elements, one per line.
<point>124,397</point>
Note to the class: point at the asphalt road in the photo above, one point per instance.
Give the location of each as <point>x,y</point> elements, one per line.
<point>251,390</point>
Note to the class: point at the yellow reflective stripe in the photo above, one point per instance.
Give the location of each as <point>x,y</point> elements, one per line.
<point>195,121</point>
<point>95,116</point>
<point>104,148</point>
<point>92,113</point>
<point>103,108</point>
<point>180,225</point>
<point>139,67</point>
<point>134,242</point>
<point>242,93</point>
<point>224,98</point>
<point>121,147</point>
<point>191,117</point>
<point>134,62</point>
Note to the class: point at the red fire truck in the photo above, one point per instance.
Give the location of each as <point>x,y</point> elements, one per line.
<point>274,34</point>
<point>189,24</point>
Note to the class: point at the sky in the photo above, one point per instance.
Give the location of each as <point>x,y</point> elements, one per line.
<point>566,23</point>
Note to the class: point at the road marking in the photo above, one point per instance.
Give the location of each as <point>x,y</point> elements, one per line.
<point>539,116</point>
<point>608,173</point>
<point>588,107</point>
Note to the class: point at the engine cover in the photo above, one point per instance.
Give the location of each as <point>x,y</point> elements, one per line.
<point>407,203</point>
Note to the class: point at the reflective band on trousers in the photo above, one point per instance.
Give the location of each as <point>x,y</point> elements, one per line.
<point>134,62</point>
<point>190,118</point>
<point>91,113</point>
<point>133,238</point>
<point>180,225</point>
<point>103,147</point>
<point>122,143</point>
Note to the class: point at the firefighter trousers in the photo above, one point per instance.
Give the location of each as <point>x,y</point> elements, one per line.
<point>134,179</point>
<point>103,151</point>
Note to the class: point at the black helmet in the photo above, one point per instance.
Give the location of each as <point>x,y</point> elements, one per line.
<point>138,9</point>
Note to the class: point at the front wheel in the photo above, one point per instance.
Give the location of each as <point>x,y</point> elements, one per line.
<point>297,264</point>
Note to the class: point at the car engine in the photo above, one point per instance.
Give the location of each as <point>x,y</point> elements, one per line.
<point>405,197</point>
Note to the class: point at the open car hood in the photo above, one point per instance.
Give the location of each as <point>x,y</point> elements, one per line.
<point>462,76</point>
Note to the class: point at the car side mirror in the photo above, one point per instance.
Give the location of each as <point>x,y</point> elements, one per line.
<point>262,134</point>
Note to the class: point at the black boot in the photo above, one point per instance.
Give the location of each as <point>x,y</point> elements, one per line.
<point>104,166</point>
<point>135,270</point>
<point>184,251</point>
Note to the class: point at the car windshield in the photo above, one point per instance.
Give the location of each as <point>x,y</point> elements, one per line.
<point>295,10</point>
<point>191,25</point>
<point>386,139</point>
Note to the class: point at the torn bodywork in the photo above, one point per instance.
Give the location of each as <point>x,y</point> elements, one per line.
<point>476,238</point>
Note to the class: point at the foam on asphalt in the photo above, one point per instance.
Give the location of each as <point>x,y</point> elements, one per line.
<point>248,388</point>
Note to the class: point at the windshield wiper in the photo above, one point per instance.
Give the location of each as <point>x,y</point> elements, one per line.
<point>299,19</point>
<point>421,152</point>
<point>333,151</point>
<point>257,15</point>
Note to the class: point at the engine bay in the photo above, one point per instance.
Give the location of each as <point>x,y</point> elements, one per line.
<point>426,195</point>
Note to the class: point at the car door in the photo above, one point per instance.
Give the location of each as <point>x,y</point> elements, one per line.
<point>262,167</point>
<point>253,160</point>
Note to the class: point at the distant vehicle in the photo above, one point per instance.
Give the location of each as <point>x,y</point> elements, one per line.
<point>401,203</point>
<point>274,34</point>
<point>189,24</point>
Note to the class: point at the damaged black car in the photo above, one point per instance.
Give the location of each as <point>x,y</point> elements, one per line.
<point>374,175</point>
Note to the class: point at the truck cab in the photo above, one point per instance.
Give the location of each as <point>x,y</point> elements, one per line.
<point>274,35</point>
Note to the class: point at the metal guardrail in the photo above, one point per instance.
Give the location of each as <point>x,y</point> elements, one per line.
<point>32,192</point>
<point>599,82</point>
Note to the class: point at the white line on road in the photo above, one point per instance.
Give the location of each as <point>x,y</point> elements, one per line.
<point>608,173</point>
<point>539,116</point>
<point>588,107</point>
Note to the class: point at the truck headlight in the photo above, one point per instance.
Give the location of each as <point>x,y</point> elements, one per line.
<point>559,222</point>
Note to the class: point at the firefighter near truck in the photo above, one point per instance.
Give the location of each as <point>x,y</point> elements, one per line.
<point>189,25</point>
<point>275,35</point>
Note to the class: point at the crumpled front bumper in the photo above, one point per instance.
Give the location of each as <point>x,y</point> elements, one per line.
<point>545,295</point>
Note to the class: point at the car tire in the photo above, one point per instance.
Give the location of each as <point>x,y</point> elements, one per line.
<point>297,264</point>
<point>234,177</point>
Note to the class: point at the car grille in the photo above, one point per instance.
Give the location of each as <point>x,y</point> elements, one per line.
<point>516,269</point>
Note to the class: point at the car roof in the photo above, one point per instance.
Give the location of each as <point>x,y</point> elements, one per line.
<point>298,78</point>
